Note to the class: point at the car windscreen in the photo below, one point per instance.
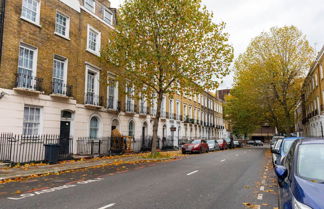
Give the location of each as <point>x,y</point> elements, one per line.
<point>278,144</point>
<point>286,145</point>
<point>196,142</point>
<point>211,142</point>
<point>310,162</point>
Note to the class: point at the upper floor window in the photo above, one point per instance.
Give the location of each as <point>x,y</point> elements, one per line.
<point>31,10</point>
<point>93,40</point>
<point>26,67</point>
<point>90,5</point>
<point>108,17</point>
<point>62,25</point>
<point>59,75</point>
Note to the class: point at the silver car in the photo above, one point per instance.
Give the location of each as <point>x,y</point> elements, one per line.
<point>213,145</point>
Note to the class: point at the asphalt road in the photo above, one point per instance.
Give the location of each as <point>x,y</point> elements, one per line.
<point>218,180</point>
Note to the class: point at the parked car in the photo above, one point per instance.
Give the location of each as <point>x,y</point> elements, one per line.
<point>250,142</point>
<point>229,144</point>
<point>213,145</point>
<point>274,140</point>
<point>302,176</point>
<point>198,146</point>
<point>222,144</point>
<point>237,144</point>
<point>283,149</point>
<point>258,143</point>
<point>274,149</point>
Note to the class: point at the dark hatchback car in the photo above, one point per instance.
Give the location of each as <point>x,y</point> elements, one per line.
<point>301,176</point>
<point>283,149</point>
<point>198,146</point>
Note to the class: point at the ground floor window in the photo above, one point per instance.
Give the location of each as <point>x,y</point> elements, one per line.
<point>94,127</point>
<point>31,120</point>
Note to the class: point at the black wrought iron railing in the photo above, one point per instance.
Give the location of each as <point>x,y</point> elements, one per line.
<point>93,99</point>
<point>61,88</point>
<point>30,82</point>
<point>16,148</point>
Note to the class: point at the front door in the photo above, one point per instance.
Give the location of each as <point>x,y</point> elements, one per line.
<point>65,136</point>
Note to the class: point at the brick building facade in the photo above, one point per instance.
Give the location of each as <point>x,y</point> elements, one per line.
<point>53,82</point>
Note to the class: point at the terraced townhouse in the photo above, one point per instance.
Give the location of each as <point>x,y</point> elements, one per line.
<point>309,114</point>
<point>53,82</point>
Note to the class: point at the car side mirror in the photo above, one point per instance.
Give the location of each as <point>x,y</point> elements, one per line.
<point>275,151</point>
<point>281,172</point>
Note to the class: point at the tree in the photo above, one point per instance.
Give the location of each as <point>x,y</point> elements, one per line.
<point>270,73</point>
<point>168,46</point>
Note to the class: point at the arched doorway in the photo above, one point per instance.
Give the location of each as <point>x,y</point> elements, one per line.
<point>65,131</point>
<point>144,131</point>
<point>145,140</point>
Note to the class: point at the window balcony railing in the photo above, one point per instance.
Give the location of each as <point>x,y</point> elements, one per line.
<point>130,107</point>
<point>153,111</point>
<point>61,88</point>
<point>143,109</point>
<point>93,99</point>
<point>25,81</point>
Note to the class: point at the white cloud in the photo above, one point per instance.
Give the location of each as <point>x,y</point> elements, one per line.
<point>246,19</point>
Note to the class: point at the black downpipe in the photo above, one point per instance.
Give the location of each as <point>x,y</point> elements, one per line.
<point>2,18</point>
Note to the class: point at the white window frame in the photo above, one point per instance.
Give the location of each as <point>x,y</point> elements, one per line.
<point>35,57</point>
<point>93,6</point>
<point>178,109</point>
<point>96,71</point>
<point>98,127</point>
<point>37,21</point>
<point>115,101</point>
<point>67,27</point>
<point>105,12</point>
<point>98,41</point>
<point>39,128</point>
<point>65,69</point>
<point>321,71</point>
<point>130,97</point>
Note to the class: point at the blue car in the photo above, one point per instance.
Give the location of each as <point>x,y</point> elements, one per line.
<point>302,176</point>
<point>283,149</point>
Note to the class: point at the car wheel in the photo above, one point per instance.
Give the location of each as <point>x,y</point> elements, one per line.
<point>183,152</point>
<point>207,150</point>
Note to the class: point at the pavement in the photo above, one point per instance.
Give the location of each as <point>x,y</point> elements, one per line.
<point>34,170</point>
<point>230,179</point>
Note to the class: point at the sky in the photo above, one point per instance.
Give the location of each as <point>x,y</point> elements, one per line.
<point>246,19</point>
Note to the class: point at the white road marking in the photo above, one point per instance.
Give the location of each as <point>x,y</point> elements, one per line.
<point>260,196</point>
<point>107,206</point>
<point>237,155</point>
<point>257,207</point>
<point>193,172</point>
<point>223,160</point>
<point>54,189</point>
<point>262,188</point>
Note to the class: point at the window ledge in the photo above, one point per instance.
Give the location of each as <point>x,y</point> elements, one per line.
<point>90,106</point>
<point>26,90</point>
<point>29,21</point>
<point>60,96</point>
<point>65,37</point>
<point>93,52</point>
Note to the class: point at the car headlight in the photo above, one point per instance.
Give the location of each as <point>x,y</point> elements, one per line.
<point>298,205</point>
